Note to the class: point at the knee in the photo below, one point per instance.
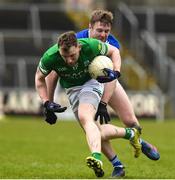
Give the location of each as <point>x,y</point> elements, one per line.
<point>86,121</point>
<point>129,119</point>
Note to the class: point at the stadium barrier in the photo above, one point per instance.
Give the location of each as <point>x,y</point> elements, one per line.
<point>27,102</point>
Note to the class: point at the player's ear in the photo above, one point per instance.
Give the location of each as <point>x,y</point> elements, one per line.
<point>90,26</point>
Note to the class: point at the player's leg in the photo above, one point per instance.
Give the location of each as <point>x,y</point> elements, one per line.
<point>94,161</point>
<point>121,104</point>
<point>109,131</point>
<point>108,151</point>
<point>86,113</point>
<point>84,107</point>
<point>89,98</point>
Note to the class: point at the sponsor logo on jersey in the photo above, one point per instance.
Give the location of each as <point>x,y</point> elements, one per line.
<point>61,69</point>
<point>75,75</point>
<point>79,74</point>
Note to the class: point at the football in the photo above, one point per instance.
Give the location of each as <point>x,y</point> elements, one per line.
<point>98,64</point>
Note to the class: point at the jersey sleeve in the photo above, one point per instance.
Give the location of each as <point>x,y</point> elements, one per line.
<point>113,41</point>
<point>82,34</point>
<point>98,47</point>
<point>44,64</point>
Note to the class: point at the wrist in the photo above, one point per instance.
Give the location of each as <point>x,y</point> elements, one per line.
<point>117,74</point>
<point>103,103</point>
<point>45,103</point>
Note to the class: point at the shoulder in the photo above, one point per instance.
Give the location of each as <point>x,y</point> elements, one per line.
<point>50,54</point>
<point>87,43</point>
<point>93,46</point>
<point>51,51</point>
<point>82,34</point>
<point>113,41</point>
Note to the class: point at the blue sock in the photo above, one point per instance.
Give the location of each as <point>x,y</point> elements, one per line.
<point>116,162</point>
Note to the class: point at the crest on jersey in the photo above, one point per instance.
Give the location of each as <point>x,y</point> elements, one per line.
<point>102,48</point>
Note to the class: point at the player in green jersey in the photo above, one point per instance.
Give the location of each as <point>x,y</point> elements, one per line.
<point>70,58</point>
<point>100,27</point>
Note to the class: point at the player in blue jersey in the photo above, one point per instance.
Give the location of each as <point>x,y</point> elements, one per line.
<point>109,39</point>
<point>100,28</point>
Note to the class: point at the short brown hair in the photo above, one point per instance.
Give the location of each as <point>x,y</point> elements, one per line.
<point>102,16</point>
<point>67,40</point>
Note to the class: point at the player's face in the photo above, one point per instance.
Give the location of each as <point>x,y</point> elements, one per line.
<point>71,56</point>
<point>100,31</point>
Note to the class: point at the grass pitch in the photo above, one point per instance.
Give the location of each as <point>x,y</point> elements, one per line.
<point>33,149</point>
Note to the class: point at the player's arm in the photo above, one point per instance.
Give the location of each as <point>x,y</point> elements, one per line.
<point>109,87</point>
<point>41,88</point>
<point>102,107</point>
<point>51,82</point>
<point>49,106</point>
<point>40,85</point>
<point>108,91</point>
<point>114,74</point>
<point>46,75</point>
<point>114,54</point>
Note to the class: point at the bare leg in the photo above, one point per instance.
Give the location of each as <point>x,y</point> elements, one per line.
<point>121,104</point>
<point>86,114</point>
<point>107,149</point>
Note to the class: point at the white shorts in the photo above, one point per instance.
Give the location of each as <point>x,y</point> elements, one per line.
<point>91,92</point>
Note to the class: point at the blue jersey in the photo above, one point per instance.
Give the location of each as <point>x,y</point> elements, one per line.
<point>111,39</point>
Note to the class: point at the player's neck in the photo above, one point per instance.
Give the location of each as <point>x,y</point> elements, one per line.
<point>89,33</point>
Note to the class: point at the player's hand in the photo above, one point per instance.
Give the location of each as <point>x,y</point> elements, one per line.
<point>53,107</point>
<point>50,117</point>
<point>49,111</point>
<point>102,113</point>
<point>111,75</point>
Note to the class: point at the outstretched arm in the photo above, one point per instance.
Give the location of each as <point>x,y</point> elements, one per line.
<point>49,106</point>
<point>51,82</point>
<point>40,85</point>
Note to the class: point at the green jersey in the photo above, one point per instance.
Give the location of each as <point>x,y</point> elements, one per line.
<point>75,75</point>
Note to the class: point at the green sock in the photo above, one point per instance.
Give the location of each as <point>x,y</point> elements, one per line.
<point>96,155</point>
<point>129,133</point>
